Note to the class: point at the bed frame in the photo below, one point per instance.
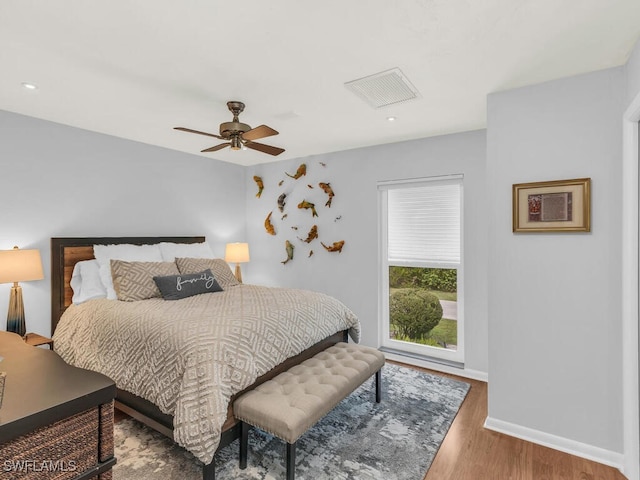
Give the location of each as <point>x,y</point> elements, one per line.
<point>66,252</point>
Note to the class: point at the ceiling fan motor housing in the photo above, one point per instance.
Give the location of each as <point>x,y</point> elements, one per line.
<point>229,129</point>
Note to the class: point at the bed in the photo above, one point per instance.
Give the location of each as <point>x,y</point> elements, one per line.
<point>79,328</point>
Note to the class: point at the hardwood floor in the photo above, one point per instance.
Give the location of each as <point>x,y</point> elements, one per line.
<point>471,452</point>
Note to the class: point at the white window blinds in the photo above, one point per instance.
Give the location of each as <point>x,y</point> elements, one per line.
<point>424,223</point>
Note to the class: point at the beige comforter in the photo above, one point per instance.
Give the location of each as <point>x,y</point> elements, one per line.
<point>190,356</point>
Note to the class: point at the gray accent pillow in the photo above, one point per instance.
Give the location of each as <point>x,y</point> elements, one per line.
<point>176,287</point>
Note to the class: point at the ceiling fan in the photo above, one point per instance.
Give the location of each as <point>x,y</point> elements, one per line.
<point>239,135</point>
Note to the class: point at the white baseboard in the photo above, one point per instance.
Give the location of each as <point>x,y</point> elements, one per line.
<point>597,454</point>
<point>438,367</point>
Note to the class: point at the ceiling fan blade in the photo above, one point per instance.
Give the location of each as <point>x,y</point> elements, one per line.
<point>259,132</point>
<point>216,148</point>
<point>188,130</point>
<point>261,147</point>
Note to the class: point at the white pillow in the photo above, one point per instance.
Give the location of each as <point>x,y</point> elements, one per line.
<point>171,251</point>
<point>130,253</point>
<point>86,283</point>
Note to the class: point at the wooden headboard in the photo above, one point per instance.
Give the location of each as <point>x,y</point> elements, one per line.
<point>66,252</point>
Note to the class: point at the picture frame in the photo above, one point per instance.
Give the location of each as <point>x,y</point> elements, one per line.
<point>554,206</point>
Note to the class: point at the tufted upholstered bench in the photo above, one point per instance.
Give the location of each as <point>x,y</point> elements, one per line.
<point>292,402</point>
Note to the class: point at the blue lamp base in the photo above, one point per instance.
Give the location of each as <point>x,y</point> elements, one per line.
<point>15,317</point>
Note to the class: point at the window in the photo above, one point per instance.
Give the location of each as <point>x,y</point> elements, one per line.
<point>421,274</point>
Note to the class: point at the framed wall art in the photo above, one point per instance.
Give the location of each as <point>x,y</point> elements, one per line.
<point>556,206</point>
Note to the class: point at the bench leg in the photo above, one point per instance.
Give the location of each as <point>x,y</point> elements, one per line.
<point>209,471</point>
<point>291,461</point>
<point>379,386</point>
<point>244,444</point>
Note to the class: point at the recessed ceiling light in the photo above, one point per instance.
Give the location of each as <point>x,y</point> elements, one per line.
<point>391,119</point>
<point>29,86</point>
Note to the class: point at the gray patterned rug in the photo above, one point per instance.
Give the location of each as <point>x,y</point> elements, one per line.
<point>360,439</point>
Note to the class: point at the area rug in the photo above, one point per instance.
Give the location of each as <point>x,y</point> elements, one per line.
<point>360,439</point>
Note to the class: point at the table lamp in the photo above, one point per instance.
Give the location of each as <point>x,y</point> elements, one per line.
<point>237,253</point>
<point>18,266</point>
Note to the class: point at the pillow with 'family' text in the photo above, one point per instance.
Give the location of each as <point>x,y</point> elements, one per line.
<point>177,287</point>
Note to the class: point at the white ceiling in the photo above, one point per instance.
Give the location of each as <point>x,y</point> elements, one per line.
<point>137,68</point>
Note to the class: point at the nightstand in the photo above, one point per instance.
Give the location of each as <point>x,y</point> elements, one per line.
<point>53,415</point>
<point>36,340</point>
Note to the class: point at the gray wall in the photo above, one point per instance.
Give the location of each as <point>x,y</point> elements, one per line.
<point>554,299</point>
<point>633,75</point>
<point>352,276</point>
<point>62,181</point>
<point>631,411</point>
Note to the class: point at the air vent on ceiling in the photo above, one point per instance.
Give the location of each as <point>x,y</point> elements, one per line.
<point>384,88</point>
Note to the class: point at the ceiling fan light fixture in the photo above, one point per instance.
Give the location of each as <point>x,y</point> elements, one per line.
<point>236,144</point>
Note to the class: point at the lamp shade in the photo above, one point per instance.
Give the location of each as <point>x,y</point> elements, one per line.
<point>20,265</point>
<point>237,253</point>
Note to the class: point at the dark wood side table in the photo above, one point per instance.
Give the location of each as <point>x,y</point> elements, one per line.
<point>56,420</point>
<point>36,340</point>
